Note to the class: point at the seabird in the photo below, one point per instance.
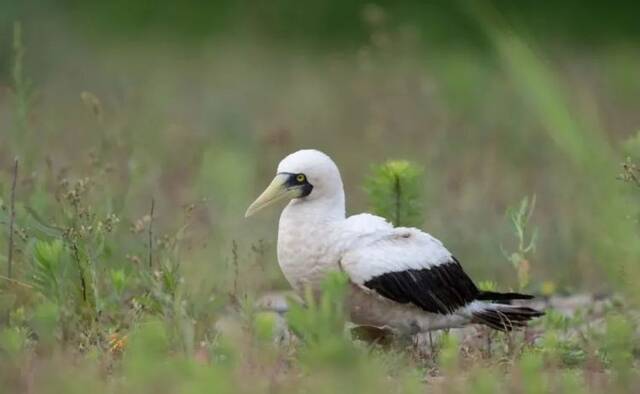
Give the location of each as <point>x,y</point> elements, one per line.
<point>401,279</point>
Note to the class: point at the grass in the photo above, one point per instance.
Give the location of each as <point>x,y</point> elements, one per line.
<point>130,268</point>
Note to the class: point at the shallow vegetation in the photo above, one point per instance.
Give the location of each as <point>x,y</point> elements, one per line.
<point>126,266</point>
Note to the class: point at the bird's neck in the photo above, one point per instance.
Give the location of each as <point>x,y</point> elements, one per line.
<point>305,247</point>
<point>324,209</point>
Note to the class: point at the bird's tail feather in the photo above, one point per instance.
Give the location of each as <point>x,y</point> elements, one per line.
<point>505,317</point>
<point>495,296</point>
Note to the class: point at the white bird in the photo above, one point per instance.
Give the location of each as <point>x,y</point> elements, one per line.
<point>402,279</point>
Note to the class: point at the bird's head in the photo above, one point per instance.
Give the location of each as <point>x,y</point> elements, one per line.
<point>305,175</point>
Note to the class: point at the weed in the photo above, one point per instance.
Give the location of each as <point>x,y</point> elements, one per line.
<point>395,192</point>
<point>525,239</point>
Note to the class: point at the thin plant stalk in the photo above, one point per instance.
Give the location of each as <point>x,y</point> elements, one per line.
<point>153,203</point>
<point>12,219</point>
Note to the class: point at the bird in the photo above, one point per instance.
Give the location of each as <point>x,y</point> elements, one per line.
<point>400,279</point>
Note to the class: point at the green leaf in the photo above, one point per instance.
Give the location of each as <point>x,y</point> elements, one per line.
<point>119,280</point>
<point>49,268</point>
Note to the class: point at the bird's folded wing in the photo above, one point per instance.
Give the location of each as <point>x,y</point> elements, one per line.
<point>409,266</point>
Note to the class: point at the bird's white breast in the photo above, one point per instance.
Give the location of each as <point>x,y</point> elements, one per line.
<point>309,248</point>
<point>306,252</point>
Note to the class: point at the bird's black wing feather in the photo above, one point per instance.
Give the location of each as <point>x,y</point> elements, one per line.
<point>441,288</point>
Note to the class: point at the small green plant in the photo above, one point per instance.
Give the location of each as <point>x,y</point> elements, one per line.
<point>13,340</point>
<point>395,192</point>
<point>487,285</point>
<point>562,349</point>
<point>630,172</point>
<point>321,317</point>
<point>526,239</point>
<point>320,324</point>
<point>449,353</point>
<point>51,267</point>
<point>619,344</point>
<point>531,365</point>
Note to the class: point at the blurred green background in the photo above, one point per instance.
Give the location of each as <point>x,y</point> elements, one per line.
<point>203,99</point>
<point>110,105</point>
<point>327,23</point>
<point>495,100</point>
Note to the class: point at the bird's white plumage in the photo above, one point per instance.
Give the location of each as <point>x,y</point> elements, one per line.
<point>393,250</point>
<point>315,237</point>
<point>364,245</point>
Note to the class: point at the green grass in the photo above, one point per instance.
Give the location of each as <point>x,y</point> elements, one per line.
<point>109,295</point>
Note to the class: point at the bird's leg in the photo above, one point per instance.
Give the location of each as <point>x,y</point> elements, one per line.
<point>489,352</point>
<point>510,343</point>
<point>431,345</point>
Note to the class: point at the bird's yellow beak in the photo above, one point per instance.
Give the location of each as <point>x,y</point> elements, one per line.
<point>276,191</point>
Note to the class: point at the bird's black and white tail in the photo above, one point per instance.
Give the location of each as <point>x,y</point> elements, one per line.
<point>497,313</point>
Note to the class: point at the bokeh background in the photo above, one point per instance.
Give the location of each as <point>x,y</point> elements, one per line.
<point>194,103</point>
<point>143,130</point>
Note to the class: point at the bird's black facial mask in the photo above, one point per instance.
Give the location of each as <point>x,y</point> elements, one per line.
<point>285,186</point>
<point>298,181</point>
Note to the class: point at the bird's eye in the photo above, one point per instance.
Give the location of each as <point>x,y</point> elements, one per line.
<point>300,178</point>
